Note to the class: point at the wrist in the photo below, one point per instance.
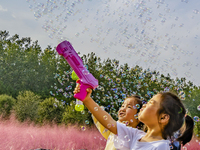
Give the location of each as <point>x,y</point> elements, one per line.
<point>87,99</point>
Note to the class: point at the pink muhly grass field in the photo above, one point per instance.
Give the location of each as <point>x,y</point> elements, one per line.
<point>24,136</point>
<point>194,144</point>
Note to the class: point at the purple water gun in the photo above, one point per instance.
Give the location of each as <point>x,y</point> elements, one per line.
<point>86,79</point>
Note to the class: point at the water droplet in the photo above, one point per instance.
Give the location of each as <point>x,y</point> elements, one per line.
<point>184,148</point>
<point>83,128</point>
<point>181,94</point>
<point>85,72</point>
<point>87,122</point>
<point>196,118</point>
<point>105,117</point>
<point>109,125</point>
<point>137,106</point>
<point>198,107</point>
<point>118,80</point>
<point>136,116</point>
<point>195,11</point>
<point>126,138</point>
<point>96,108</point>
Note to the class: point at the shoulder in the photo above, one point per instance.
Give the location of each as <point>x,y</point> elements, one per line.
<point>125,133</point>
<point>123,127</point>
<point>162,145</point>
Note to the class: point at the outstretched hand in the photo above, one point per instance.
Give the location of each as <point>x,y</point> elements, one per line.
<point>98,113</point>
<point>77,90</point>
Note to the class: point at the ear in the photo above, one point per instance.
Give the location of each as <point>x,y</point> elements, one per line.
<point>164,119</point>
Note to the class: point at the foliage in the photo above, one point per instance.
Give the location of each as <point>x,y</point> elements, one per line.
<point>26,107</point>
<point>6,105</point>
<point>192,101</point>
<point>197,129</point>
<point>50,111</point>
<point>71,116</point>
<point>24,66</point>
<point>118,81</point>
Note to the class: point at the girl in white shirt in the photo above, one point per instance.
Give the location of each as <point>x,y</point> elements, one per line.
<point>127,114</point>
<point>163,115</point>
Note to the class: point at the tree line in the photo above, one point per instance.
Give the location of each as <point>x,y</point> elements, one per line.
<point>28,70</point>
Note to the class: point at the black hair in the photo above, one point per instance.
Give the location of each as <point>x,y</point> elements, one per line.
<point>187,132</point>
<point>171,104</point>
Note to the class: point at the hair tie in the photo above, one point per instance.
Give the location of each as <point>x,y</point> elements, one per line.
<point>180,110</point>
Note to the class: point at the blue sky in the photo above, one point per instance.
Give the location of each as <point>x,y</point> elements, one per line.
<point>156,34</point>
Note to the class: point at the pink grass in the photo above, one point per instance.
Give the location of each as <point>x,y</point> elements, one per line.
<point>194,144</point>
<point>24,136</point>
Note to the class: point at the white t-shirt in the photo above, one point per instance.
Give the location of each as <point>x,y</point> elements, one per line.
<point>127,139</point>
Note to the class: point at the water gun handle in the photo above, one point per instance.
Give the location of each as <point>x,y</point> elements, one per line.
<point>83,93</point>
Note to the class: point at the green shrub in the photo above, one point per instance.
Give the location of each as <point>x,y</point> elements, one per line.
<point>71,116</point>
<point>197,129</point>
<point>50,111</point>
<point>6,105</point>
<point>27,106</point>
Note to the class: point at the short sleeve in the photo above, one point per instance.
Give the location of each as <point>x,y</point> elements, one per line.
<point>163,146</point>
<point>126,136</point>
<point>104,132</point>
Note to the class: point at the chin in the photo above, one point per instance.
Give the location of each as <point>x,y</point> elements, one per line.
<point>139,118</point>
<point>121,119</point>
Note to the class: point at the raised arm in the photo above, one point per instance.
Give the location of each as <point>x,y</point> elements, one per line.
<point>102,116</point>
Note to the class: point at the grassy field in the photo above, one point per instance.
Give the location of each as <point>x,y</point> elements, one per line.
<point>25,136</point>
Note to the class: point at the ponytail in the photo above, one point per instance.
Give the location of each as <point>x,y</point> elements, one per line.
<point>187,132</point>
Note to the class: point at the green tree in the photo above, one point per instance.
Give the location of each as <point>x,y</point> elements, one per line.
<point>24,66</point>
<point>6,105</point>
<point>26,107</point>
<point>50,111</point>
<point>118,81</point>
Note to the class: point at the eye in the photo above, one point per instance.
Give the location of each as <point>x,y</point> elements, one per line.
<point>129,107</point>
<point>149,102</point>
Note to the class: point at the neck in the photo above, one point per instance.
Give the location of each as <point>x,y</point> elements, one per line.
<point>130,124</point>
<point>153,134</point>
<point>133,124</point>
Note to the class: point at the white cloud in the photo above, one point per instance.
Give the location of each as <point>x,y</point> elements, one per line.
<point>13,16</point>
<point>3,9</point>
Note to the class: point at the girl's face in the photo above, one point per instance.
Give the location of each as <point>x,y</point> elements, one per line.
<point>127,111</point>
<point>148,113</point>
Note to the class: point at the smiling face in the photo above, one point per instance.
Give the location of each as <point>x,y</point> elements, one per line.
<point>148,113</point>
<point>127,112</point>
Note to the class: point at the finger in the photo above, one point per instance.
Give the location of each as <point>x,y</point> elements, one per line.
<point>89,90</point>
<point>77,88</point>
<point>77,85</point>
<point>74,92</point>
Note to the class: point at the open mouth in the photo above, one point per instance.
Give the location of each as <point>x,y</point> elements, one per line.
<point>121,114</point>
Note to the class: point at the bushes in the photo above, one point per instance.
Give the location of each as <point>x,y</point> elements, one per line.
<point>27,106</point>
<point>197,129</point>
<point>6,105</point>
<point>31,107</point>
<point>49,110</point>
<point>71,116</point>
